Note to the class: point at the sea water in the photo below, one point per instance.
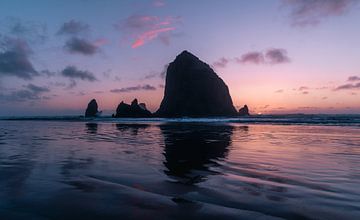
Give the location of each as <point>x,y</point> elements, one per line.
<point>294,167</point>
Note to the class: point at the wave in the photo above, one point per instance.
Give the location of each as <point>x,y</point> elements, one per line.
<point>295,119</point>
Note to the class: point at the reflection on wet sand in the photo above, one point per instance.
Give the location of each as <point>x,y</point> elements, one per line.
<point>156,170</point>
<point>133,128</point>
<point>91,128</point>
<point>191,149</point>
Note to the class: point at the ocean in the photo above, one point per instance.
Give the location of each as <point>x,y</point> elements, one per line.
<point>260,167</point>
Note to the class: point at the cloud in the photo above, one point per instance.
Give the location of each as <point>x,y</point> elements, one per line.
<point>134,88</point>
<point>305,92</point>
<point>80,46</point>
<point>47,73</point>
<point>150,35</point>
<point>143,29</point>
<point>354,84</point>
<point>303,88</point>
<point>33,32</point>
<point>151,75</point>
<point>162,74</point>
<point>30,93</point>
<point>348,86</point>
<point>37,89</point>
<point>276,56</point>
<point>73,73</point>
<point>279,91</point>
<point>14,59</point>
<point>353,78</point>
<point>271,56</point>
<point>251,57</point>
<point>73,27</point>
<point>158,3</point>
<point>312,12</point>
<point>71,85</point>
<point>221,63</point>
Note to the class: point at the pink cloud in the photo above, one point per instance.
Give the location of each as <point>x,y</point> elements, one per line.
<point>144,29</point>
<point>149,35</point>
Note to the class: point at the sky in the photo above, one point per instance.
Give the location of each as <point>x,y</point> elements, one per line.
<point>276,56</point>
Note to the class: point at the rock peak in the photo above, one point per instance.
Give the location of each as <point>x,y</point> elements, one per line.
<point>134,102</point>
<point>186,55</point>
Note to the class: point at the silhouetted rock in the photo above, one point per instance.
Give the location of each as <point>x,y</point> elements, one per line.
<point>92,109</point>
<point>244,111</point>
<point>134,110</point>
<point>193,89</point>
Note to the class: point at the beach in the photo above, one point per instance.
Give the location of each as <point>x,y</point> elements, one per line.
<point>178,169</point>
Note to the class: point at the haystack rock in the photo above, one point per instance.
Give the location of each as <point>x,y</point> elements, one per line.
<point>244,111</point>
<point>193,89</point>
<point>134,110</point>
<point>92,109</point>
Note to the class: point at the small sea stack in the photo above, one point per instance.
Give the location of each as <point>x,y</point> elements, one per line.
<point>244,111</point>
<point>134,110</point>
<point>92,109</point>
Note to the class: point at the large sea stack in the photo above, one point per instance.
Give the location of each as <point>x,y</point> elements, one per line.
<point>92,109</point>
<point>193,89</point>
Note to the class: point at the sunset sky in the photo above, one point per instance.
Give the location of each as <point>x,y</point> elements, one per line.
<point>276,56</point>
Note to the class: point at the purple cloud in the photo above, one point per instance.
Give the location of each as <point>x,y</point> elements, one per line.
<point>30,93</point>
<point>15,59</point>
<point>251,57</point>
<point>33,32</point>
<point>80,46</point>
<point>312,12</point>
<point>353,78</point>
<point>277,56</point>
<point>271,56</point>
<point>303,88</point>
<point>134,88</point>
<point>73,27</point>
<point>348,87</point>
<point>221,63</point>
<point>73,73</point>
<point>158,3</point>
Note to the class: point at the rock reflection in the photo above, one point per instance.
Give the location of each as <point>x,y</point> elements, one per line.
<point>191,150</point>
<point>132,128</point>
<point>91,128</point>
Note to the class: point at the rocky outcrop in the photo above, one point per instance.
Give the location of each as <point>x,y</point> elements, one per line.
<point>193,89</point>
<point>244,111</point>
<point>92,109</point>
<point>134,110</point>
